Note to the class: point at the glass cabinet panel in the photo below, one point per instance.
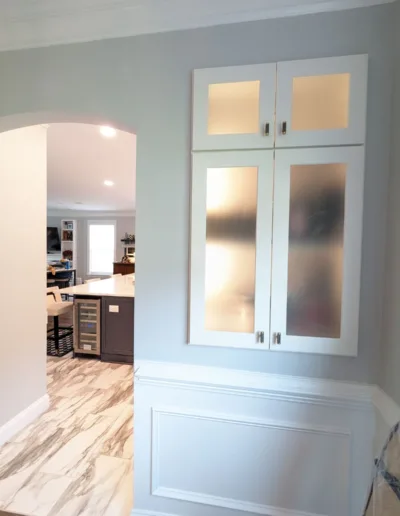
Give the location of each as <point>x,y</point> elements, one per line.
<point>316,250</point>
<point>320,102</point>
<point>230,249</point>
<point>230,257</point>
<point>233,108</point>
<point>315,262</point>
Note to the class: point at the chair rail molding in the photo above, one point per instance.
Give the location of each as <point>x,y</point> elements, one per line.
<point>54,22</point>
<point>254,384</point>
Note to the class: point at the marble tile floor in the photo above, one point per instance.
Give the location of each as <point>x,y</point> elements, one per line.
<point>77,458</point>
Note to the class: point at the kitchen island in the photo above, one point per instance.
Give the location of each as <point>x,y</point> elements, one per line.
<point>104,318</point>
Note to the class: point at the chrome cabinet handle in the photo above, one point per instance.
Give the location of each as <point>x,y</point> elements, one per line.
<point>266,130</point>
<point>284,128</point>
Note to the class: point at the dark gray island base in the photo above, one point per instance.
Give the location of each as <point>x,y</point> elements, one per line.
<point>104,318</point>
<point>117,329</point>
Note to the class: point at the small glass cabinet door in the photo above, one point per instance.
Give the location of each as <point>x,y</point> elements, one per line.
<point>230,264</point>
<point>234,107</point>
<point>318,198</point>
<point>321,102</point>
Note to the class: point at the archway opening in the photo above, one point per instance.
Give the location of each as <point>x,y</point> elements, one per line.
<point>73,412</point>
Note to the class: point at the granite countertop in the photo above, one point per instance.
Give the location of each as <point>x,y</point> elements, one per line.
<point>118,286</point>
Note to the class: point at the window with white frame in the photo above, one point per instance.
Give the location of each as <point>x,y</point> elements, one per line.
<point>101,246</point>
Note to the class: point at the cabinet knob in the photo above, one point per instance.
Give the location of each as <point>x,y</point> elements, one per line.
<point>266,130</point>
<point>283,127</point>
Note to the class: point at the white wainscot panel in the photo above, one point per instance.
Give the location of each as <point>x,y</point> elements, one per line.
<point>259,466</point>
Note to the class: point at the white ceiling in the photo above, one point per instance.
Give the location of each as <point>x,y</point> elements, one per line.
<point>35,23</point>
<point>80,159</point>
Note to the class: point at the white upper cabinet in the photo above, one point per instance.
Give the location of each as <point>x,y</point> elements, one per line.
<point>277,204</point>
<point>318,200</point>
<point>321,102</point>
<point>231,232</point>
<point>234,107</point>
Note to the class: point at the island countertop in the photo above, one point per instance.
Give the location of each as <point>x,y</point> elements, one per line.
<point>118,286</point>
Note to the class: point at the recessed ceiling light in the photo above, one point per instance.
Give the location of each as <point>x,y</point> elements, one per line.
<point>108,132</point>
<point>107,182</point>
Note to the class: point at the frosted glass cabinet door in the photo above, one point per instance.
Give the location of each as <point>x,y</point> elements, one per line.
<point>231,248</point>
<point>318,198</point>
<point>233,107</point>
<point>321,101</point>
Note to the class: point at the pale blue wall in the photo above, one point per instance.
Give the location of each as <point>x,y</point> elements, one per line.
<point>390,340</point>
<point>145,83</point>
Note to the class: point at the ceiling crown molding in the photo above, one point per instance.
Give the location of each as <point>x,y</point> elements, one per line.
<point>42,23</point>
<point>77,214</point>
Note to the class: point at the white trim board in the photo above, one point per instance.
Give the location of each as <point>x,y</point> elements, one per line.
<point>22,27</point>
<point>23,418</point>
<point>228,503</point>
<point>253,383</point>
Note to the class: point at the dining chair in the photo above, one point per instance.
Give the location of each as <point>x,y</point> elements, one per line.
<point>56,307</point>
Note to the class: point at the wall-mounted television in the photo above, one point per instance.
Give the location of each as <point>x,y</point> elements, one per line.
<point>53,241</point>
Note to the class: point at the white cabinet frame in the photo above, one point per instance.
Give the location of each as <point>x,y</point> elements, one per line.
<point>201,162</point>
<point>357,67</point>
<point>266,74</point>
<point>354,158</point>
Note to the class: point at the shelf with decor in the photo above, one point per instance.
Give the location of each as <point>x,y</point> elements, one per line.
<point>69,234</point>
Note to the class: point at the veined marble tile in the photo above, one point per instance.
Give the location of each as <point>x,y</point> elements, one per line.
<point>71,411</point>
<point>68,379</point>
<point>113,375</point>
<point>39,495</point>
<point>60,463</point>
<point>78,447</point>
<point>26,458</point>
<point>104,490</point>
<point>122,501</point>
<point>119,438</point>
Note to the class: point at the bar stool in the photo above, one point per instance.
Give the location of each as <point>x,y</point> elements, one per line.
<point>56,307</point>
<point>62,280</point>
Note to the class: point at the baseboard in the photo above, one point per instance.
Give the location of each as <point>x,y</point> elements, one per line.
<point>24,418</point>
